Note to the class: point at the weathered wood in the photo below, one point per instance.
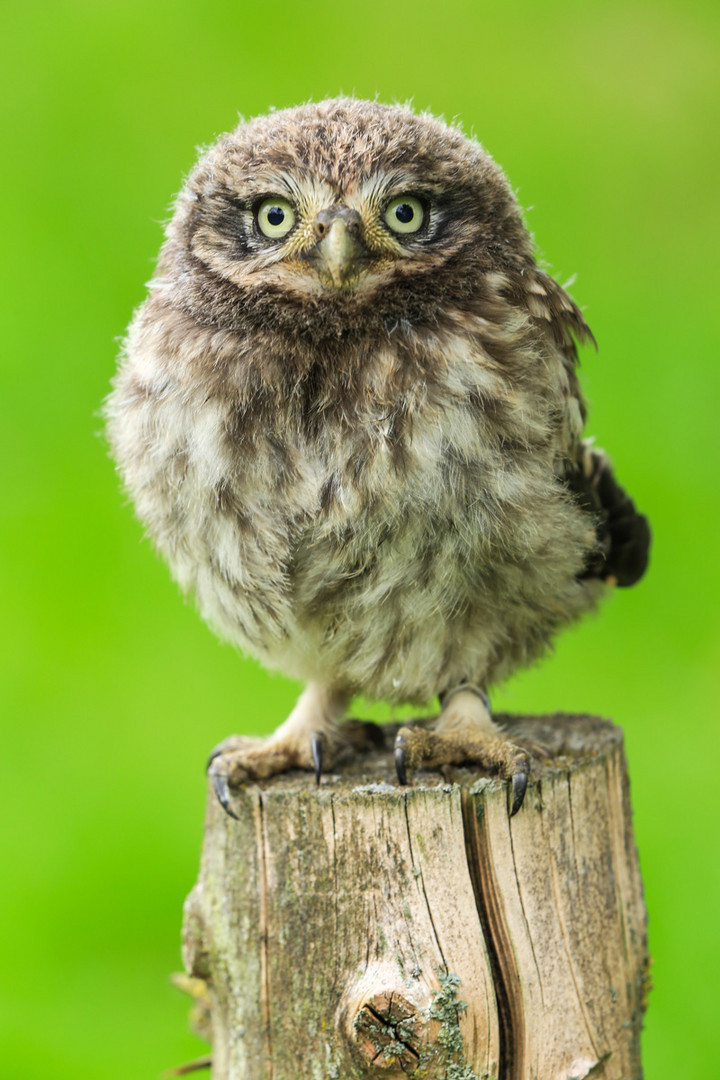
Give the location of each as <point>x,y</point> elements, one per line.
<point>360,929</point>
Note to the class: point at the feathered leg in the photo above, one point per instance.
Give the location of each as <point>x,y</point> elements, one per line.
<point>464,732</point>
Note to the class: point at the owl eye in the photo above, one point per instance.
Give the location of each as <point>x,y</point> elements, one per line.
<point>275,217</point>
<point>404,214</point>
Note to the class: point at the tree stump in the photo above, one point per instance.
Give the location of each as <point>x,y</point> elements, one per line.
<point>364,930</point>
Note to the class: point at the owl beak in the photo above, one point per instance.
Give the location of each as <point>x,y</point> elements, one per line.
<point>339,251</point>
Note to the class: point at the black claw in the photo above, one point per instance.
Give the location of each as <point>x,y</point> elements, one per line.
<point>400,761</point>
<point>316,747</point>
<point>213,754</point>
<point>222,791</point>
<point>519,787</point>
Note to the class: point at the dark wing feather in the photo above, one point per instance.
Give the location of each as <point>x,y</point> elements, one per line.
<point>623,534</point>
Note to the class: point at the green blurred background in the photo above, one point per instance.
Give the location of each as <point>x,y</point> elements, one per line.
<point>604,115</point>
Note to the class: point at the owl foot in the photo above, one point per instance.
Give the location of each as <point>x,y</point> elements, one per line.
<point>463,733</point>
<point>311,738</point>
<point>238,760</point>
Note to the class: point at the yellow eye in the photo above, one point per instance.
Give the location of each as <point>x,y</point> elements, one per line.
<point>275,217</point>
<point>404,214</point>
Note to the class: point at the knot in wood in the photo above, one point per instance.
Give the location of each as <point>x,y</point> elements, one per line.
<point>387,1032</point>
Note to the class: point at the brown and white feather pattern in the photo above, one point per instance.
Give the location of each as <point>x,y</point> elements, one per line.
<point>365,490</point>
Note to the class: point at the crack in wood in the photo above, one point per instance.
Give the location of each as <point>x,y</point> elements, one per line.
<point>507,1033</point>
<point>598,1067</point>
<point>335,885</point>
<point>619,864</point>
<point>264,960</point>
<point>389,1033</point>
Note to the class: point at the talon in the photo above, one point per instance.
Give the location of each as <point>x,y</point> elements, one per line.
<point>233,742</point>
<point>316,746</point>
<point>518,789</point>
<point>222,791</point>
<point>213,754</point>
<point>400,760</point>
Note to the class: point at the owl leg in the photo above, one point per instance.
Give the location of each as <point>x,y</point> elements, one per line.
<point>464,732</point>
<point>310,738</point>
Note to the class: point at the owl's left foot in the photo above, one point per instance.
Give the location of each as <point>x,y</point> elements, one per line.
<point>465,732</point>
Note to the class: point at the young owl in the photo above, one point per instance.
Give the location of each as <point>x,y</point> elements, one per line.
<point>349,418</point>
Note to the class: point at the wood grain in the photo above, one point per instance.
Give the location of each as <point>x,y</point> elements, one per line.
<point>360,929</point>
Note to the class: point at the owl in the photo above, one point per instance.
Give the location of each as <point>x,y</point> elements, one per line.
<point>348,416</point>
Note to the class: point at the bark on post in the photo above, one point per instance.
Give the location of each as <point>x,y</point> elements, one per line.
<point>363,930</point>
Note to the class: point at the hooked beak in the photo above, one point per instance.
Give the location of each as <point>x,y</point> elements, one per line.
<point>339,252</point>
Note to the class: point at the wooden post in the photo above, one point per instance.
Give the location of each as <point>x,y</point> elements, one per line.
<point>364,930</point>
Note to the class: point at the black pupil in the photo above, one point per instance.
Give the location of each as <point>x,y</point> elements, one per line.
<point>276,215</point>
<point>404,213</point>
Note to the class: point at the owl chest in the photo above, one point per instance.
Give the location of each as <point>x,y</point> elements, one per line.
<point>317,532</point>
<point>322,507</point>
<point>363,500</point>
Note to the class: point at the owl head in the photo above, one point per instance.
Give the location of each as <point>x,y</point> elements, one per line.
<point>339,215</point>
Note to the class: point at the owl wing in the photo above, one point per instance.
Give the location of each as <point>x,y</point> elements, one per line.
<point>622,551</point>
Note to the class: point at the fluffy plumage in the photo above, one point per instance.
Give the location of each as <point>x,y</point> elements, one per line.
<point>367,466</point>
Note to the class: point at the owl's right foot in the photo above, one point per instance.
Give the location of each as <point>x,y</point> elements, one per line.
<point>238,760</point>
<point>311,738</point>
